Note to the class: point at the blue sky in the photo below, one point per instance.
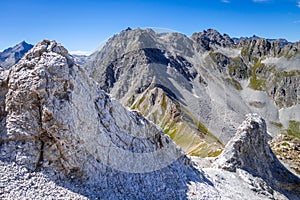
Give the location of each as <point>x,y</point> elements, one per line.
<point>84,24</point>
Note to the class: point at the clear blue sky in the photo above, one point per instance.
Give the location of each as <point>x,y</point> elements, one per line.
<point>84,24</point>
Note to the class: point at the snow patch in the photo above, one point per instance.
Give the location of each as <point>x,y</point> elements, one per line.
<point>229,52</point>
<point>283,64</point>
<point>287,114</point>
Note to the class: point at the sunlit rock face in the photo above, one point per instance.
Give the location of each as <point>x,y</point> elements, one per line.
<point>56,118</point>
<point>249,150</point>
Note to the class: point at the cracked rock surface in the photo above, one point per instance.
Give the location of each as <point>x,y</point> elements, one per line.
<point>249,154</point>
<point>58,120</point>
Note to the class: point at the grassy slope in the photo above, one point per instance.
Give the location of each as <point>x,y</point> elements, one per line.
<point>183,128</point>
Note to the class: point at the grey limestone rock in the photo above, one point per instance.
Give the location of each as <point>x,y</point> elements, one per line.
<point>58,120</point>
<point>209,39</point>
<point>248,152</point>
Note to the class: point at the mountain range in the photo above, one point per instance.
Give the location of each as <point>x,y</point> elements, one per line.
<point>59,118</point>
<point>199,88</point>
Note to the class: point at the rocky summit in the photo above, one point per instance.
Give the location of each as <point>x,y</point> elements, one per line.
<point>12,55</point>
<point>63,137</point>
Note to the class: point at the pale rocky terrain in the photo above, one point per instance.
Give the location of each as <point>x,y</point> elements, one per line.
<point>287,149</point>
<point>62,137</point>
<point>198,88</point>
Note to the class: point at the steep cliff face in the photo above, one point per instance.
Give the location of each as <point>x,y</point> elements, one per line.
<point>4,89</point>
<point>261,47</point>
<point>275,68</point>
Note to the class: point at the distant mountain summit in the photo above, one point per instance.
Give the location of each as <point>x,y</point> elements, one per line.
<point>12,55</point>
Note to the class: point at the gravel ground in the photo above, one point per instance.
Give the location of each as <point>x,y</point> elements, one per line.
<point>17,182</point>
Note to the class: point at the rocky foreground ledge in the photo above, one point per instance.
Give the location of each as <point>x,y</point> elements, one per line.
<point>64,138</point>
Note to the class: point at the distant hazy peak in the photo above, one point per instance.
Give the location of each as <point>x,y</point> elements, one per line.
<point>12,55</point>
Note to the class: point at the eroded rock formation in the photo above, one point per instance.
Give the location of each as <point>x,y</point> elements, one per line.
<point>57,119</point>
<point>249,151</point>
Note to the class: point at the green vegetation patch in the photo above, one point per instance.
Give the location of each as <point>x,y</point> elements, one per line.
<point>257,83</point>
<point>201,127</point>
<point>190,134</point>
<point>245,50</point>
<point>138,103</point>
<point>290,73</point>
<point>130,101</point>
<point>277,124</point>
<point>164,101</point>
<point>285,144</point>
<point>234,83</point>
<point>214,55</point>
<point>232,69</point>
<point>294,128</point>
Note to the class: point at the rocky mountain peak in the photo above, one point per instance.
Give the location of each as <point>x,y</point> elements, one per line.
<point>12,55</point>
<point>135,39</point>
<point>20,46</point>
<point>210,39</point>
<point>42,74</point>
<point>46,46</point>
<point>257,47</point>
<point>139,38</point>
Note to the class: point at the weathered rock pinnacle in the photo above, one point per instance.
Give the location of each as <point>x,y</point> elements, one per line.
<point>249,150</point>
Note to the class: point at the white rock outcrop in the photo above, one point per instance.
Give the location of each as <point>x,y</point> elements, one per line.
<point>248,153</point>
<point>57,119</point>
